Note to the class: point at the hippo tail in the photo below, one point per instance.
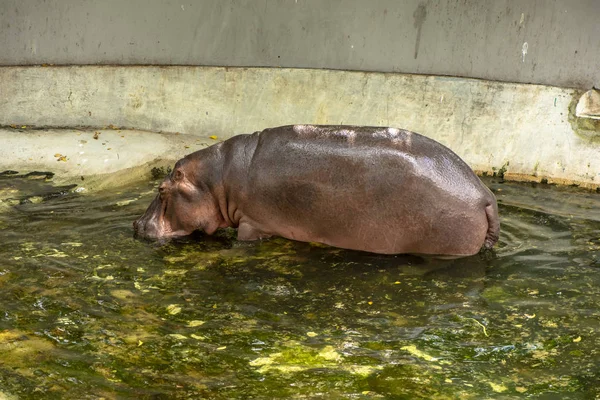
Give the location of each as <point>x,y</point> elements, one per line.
<point>493,231</point>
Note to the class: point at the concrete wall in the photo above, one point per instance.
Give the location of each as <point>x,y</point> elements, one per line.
<point>554,42</point>
<point>528,131</point>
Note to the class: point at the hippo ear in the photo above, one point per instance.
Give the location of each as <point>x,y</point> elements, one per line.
<point>177,175</point>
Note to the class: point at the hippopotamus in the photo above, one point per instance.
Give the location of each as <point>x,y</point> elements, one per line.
<point>375,189</point>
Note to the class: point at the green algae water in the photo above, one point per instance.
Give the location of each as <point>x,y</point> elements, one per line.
<point>89,312</point>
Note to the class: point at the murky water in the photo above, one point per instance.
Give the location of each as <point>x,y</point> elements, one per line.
<point>86,311</point>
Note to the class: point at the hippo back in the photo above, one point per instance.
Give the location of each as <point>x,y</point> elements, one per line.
<point>384,190</point>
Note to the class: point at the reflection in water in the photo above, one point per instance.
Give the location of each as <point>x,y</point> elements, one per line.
<point>86,310</point>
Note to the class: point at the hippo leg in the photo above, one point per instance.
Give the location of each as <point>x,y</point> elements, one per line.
<point>248,232</point>
<point>493,233</point>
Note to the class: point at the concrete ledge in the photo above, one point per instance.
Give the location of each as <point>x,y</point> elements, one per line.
<point>93,158</point>
<point>526,132</point>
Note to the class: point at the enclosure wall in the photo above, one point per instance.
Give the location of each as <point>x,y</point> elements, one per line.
<point>529,41</point>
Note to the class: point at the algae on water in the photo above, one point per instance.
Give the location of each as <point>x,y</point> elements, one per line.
<point>88,311</point>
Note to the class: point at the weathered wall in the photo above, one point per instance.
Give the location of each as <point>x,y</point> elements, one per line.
<point>528,130</point>
<point>553,42</point>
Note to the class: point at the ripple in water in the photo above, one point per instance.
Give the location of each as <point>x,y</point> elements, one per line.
<point>86,311</point>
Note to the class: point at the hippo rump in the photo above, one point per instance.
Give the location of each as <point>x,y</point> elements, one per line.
<point>382,190</point>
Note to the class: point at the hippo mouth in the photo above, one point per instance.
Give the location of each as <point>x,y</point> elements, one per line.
<point>146,230</point>
<point>151,225</point>
<point>154,226</point>
<point>160,239</point>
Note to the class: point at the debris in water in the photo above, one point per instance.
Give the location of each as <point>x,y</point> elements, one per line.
<point>418,353</point>
<point>498,388</point>
<point>481,325</point>
<point>173,309</point>
<point>125,202</point>
<point>329,353</point>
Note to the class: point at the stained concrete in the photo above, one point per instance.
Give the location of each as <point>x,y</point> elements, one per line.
<point>528,132</point>
<point>529,41</point>
<point>93,158</point>
<point>588,105</point>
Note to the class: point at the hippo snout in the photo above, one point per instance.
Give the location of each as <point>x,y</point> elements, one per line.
<point>146,228</point>
<point>138,226</point>
<point>148,225</point>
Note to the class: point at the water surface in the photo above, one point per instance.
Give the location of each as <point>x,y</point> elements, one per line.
<point>87,311</point>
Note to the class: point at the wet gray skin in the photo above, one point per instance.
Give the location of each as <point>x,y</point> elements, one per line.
<point>382,190</point>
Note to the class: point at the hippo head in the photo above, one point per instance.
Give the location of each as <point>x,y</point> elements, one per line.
<point>185,202</point>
